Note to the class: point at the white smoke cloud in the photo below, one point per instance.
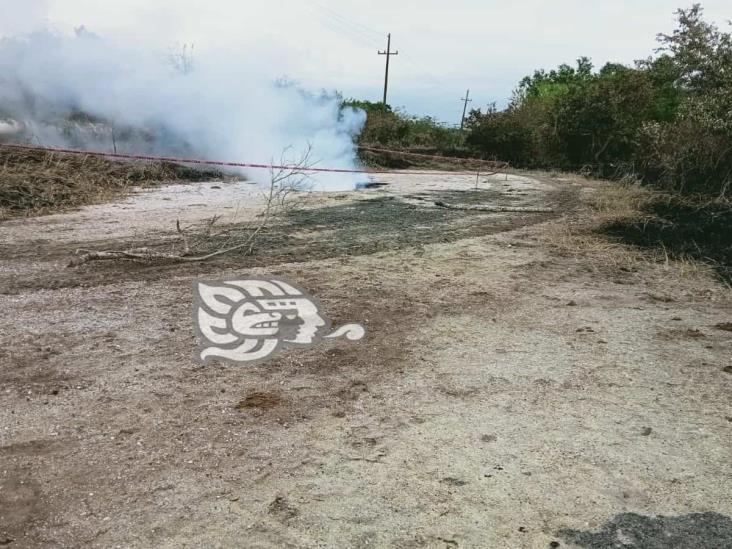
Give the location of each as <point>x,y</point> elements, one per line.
<point>21,17</point>
<point>225,108</point>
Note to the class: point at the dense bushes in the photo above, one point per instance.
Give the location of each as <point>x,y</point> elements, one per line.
<point>667,120</point>
<point>398,130</point>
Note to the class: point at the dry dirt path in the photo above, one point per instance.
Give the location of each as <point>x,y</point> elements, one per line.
<point>507,395</point>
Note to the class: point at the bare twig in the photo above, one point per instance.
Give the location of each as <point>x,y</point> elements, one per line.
<point>487,208</point>
<point>284,183</point>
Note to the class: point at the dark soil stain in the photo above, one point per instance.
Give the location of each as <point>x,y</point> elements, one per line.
<point>356,228</point>
<point>282,509</point>
<point>701,232</point>
<point>632,531</point>
<point>263,401</point>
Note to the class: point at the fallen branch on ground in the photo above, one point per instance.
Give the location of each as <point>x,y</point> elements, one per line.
<point>487,208</point>
<point>283,184</point>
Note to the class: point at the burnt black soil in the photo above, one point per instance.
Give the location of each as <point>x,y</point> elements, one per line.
<point>355,228</point>
<point>684,230</point>
<point>632,531</point>
<point>380,224</point>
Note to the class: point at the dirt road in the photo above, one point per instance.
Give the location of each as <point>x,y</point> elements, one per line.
<point>509,394</point>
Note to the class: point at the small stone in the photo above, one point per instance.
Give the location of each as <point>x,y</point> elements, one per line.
<point>488,438</point>
<point>572,303</point>
<point>452,481</point>
<point>646,431</point>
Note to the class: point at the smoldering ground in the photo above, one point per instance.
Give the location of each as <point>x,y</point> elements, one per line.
<point>83,90</point>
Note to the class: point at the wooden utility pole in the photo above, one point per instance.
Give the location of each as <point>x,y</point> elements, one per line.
<point>467,100</point>
<point>388,54</point>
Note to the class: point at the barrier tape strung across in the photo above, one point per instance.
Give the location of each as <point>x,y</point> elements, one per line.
<point>205,162</point>
<point>492,164</point>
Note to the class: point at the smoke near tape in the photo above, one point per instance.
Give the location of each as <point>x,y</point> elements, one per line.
<point>83,91</point>
<point>484,167</point>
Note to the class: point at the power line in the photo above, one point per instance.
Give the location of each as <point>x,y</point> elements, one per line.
<point>357,38</point>
<point>366,34</point>
<point>435,80</point>
<point>355,24</point>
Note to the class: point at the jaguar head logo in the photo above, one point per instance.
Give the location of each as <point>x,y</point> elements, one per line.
<point>250,320</point>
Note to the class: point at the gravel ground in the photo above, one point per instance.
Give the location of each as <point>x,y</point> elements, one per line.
<point>508,394</point>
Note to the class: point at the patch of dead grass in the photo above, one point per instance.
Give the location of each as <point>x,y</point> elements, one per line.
<point>581,238</point>
<point>614,201</point>
<point>39,182</point>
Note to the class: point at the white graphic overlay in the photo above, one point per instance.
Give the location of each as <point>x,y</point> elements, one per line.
<point>248,321</point>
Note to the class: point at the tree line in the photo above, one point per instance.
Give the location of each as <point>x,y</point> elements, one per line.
<point>665,120</point>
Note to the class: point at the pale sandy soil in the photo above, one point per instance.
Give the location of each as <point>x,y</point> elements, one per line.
<point>509,394</point>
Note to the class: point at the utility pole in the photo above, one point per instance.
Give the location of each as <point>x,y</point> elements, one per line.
<point>467,100</point>
<point>388,54</point>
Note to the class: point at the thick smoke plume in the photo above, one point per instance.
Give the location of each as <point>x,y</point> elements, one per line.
<point>84,91</point>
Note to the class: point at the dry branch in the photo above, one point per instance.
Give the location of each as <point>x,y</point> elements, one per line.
<point>487,208</point>
<point>277,199</point>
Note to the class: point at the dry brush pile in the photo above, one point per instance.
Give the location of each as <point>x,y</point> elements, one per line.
<point>40,182</point>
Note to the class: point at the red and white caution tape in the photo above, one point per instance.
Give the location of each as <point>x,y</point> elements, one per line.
<point>199,161</point>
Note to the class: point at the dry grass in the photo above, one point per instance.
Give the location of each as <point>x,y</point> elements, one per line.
<point>575,238</point>
<point>581,238</point>
<point>35,182</point>
<point>613,201</point>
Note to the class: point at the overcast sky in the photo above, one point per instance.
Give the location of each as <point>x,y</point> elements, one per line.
<point>444,47</point>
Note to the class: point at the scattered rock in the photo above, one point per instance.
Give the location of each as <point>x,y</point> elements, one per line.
<point>726,326</point>
<point>646,431</point>
<point>489,438</point>
<point>572,303</point>
<point>452,481</point>
<point>727,369</point>
<point>661,298</point>
<point>282,509</point>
